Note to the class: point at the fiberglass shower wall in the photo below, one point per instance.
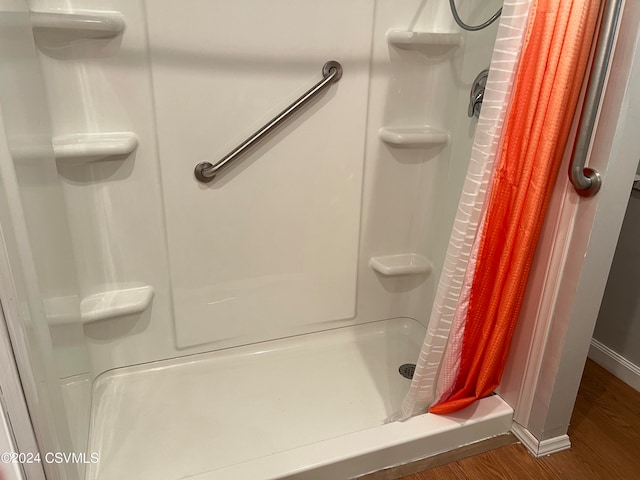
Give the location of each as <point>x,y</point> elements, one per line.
<point>44,288</point>
<point>272,247</point>
<point>281,244</point>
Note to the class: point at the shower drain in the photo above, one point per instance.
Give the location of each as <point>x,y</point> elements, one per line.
<point>407,370</point>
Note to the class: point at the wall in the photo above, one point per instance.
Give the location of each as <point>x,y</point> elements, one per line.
<point>304,213</point>
<point>38,265</point>
<point>10,471</point>
<point>617,333</point>
<point>273,241</point>
<point>280,245</point>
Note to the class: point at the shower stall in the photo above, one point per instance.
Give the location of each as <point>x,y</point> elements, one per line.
<point>180,308</point>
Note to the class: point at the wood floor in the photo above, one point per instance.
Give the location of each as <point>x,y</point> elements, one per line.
<point>604,433</point>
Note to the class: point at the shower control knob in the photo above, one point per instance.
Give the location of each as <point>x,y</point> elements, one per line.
<point>477,94</point>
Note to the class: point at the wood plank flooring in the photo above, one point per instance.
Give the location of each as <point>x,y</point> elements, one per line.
<point>604,433</point>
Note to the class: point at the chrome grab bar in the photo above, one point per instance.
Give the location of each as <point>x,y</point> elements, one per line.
<point>331,73</point>
<point>587,181</point>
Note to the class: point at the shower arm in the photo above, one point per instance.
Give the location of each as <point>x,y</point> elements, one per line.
<point>331,72</point>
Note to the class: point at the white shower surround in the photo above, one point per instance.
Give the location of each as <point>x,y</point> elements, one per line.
<point>116,209</point>
<point>550,343</point>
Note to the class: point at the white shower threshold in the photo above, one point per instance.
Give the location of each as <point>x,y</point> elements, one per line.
<point>307,407</point>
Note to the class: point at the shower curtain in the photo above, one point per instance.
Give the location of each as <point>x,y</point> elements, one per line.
<point>537,69</point>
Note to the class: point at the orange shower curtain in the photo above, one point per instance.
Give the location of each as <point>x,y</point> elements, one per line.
<point>547,87</point>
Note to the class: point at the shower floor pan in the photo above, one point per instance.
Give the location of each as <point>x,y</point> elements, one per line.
<point>306,407</point>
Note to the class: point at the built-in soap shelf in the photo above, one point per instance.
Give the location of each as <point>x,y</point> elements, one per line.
<point>413,137</point>
<point>81,24</point>
<point>115,303</point>
<point>402,264</point>
<point>93,147</point>
<point>68,310</point>
<point>409,40</point>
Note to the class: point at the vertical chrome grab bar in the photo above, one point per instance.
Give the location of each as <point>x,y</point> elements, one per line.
<point>331,72</point>
<point>587,181</point>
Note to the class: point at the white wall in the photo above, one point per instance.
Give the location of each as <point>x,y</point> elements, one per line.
<point>105,226</point>
<point>38,263</point>
<point>281,244</point>
<point>10,471</point>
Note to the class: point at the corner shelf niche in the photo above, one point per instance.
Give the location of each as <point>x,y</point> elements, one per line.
<point>413,137</point>
<point>115,303</point>
<point>402,264</point>
<point>82,24</point>
<point>93,147</point>
<point>408,40</point>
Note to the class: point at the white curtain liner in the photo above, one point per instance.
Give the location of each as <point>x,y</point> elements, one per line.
<point>452,295</point>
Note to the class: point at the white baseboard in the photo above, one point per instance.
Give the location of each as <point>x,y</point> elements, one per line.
<point>615,363</point>
<point>540,448</point>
